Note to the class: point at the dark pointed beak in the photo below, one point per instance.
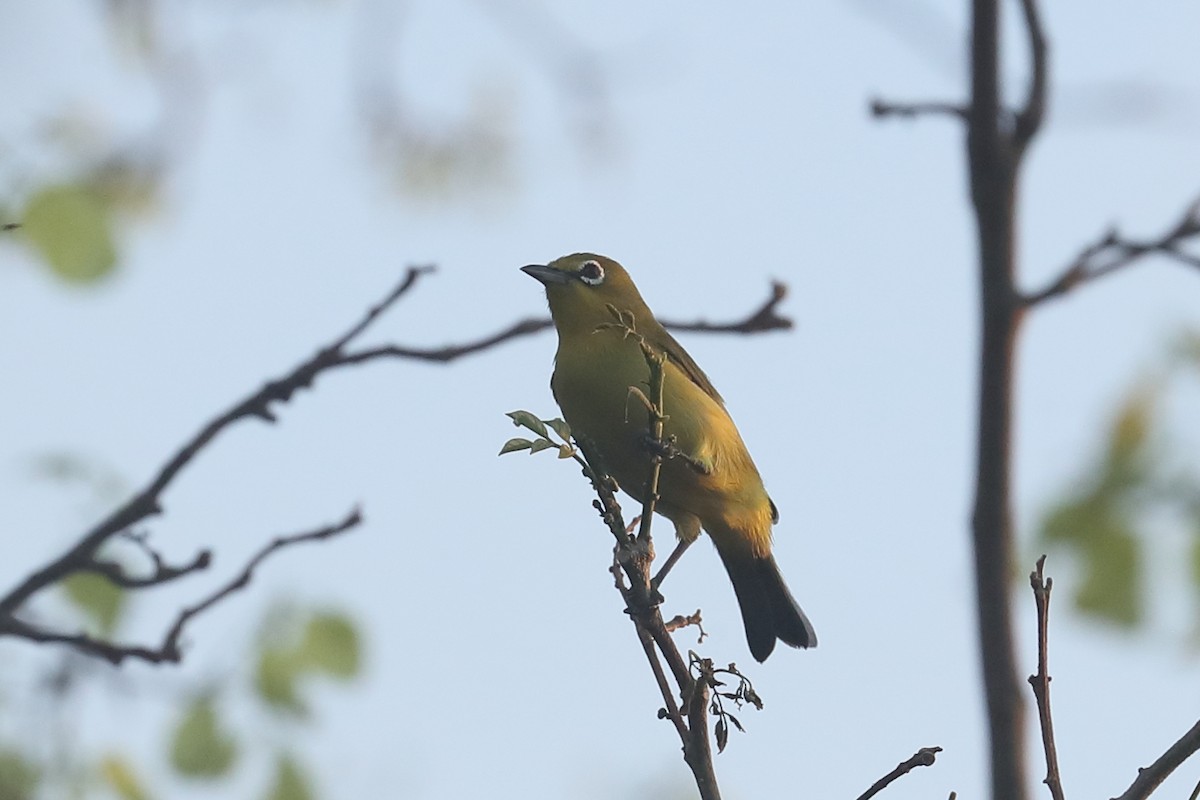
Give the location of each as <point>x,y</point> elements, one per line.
<point>547,275</point>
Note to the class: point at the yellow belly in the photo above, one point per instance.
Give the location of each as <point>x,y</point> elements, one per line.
<point>590,383</point>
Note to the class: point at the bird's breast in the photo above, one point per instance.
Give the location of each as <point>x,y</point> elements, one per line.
<point>591,384</point>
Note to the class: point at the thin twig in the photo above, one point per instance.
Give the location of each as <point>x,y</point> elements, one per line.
<point>1150,777</point>
<point>163,573</point>
<point>656,362</point>
<point>671,708</point>
<point>1041,681</point>
<point>633,558</point>
<point>169,650</point>
<point>1029,118</point>
<point>1113,252</point>
<point>761,320</point>
<point>882,108</point>
<point>922,758</point>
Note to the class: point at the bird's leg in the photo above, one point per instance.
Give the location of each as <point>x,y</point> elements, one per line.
<point>678,552</point>
<point>666,449</point>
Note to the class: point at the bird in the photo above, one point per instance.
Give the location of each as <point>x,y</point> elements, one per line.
<point>716,488</point>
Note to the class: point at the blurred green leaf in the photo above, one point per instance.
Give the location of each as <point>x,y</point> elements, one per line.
<point>1112,580</point>
<point>70,227</point>
<point>118,773</point>
<point>513,445</point>
<point>1186,348</point>
<point>18,776</point>
<point>275,679</point>
<point>290,782</point>
<point>1128,440</point>
<point>200,749</point>
<point>97,597</point>
<point>1097,521</point>
<point>540,445</point>
<point>331,645</point>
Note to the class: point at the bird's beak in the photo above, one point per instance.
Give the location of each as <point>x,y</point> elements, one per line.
<point>547,275</point>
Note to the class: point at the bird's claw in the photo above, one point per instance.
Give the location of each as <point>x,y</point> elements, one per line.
<point>666,449</point>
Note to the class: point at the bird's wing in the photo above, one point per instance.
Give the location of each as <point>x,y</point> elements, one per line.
<point>674,350</point>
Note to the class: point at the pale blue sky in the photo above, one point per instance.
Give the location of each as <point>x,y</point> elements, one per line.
<point>738,149</point>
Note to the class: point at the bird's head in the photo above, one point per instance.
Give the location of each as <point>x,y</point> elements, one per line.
<point>581,287</point>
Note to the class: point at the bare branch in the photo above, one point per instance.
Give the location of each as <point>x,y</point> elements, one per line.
<point>147,502</point>
<point>169,650</point>
<point>1113,252</point>
<point>881,109</point>
<point>764,318</point>
<point>1041,681</point>
<point>633,557</point>
<point>1029,118</point>
<point>163,573</point>
<point>922,758</point>
<point>1150,777</point>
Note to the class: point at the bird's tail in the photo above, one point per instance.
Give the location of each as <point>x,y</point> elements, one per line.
<point>769,611</point>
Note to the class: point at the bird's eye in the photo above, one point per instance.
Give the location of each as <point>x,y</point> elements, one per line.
<point>591,273</point>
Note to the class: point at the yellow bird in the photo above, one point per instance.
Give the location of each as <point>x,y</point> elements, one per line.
<point>720,492</point>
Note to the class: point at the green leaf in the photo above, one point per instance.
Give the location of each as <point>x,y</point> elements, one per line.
<point>118,773</point>
<point>70,227</point>
<point>331,645</point>
<point>275,679</point>
<point>565,451</point>
<point>513,445</point>
<point>199,748</point>
<point>540,445</point>
<point>290,781</point>
<point>523,419</point>
<point>1129,438</point>
<point>1112,579</point>
<point>560,427</point>
<point>19,777</point>
<point>97,597</point>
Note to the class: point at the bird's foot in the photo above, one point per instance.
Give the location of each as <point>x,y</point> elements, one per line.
<point>666,449</point>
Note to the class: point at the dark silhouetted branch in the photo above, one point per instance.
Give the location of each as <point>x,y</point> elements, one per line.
<point>1113,252</point>
<point>146,503</point>
<point>763,319</point>
<point>1041,681</point>
<point>882,109</point>
<point>1150,777</point>
<point>1029,118</point>
<point>163,573</point>
<point>922,758</point>
<point>169,650</point>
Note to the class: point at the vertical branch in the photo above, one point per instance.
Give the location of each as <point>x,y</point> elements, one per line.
<point>1041,681</point>
<point>654,408</point>
<point>994,159</point>
<point>633,557</point>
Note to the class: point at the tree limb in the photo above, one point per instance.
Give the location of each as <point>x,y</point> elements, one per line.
<point>1113,252</point>
<point>1150,777</point>
<point>1029,118</point>
<point>169,650</point>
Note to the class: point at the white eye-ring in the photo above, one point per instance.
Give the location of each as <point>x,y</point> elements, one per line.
<point>591,273</point>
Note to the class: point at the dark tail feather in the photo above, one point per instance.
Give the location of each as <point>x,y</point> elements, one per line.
<point>769,611</point>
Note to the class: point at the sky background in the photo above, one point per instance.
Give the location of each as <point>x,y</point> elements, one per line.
<point>710,150</point>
